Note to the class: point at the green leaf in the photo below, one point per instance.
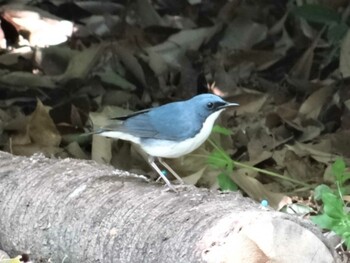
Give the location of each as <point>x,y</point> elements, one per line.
<point>220,159</point>
<point>216,159</point>
<point>226,183</point>
<point>222,130</point>
<point>321,190</point>
<point>338,168</point>
<point>324,221</point>
<point>334,217</point>
<point>317,14</point>
<point>333,205</point>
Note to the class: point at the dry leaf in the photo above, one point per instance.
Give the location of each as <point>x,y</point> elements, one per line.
<point>243,34</point>
<point>256,190</point>
<point>82,62</point>
<point>17,78</point>
<point>302,168</point>
<point>179,43</point>
<point>344,62</point>
<point>45,29</point>
<point>41,129</point>
<point>101,149</point>
<point>312,106</point>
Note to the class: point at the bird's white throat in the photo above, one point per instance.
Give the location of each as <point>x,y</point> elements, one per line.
<point>166,148</point>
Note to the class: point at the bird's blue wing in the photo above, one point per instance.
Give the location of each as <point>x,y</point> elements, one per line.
<point>175,122</point>
<point>169,122</point>
<point>136,124</point>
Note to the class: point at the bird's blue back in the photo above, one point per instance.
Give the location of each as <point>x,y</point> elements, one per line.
<point>175,121</point>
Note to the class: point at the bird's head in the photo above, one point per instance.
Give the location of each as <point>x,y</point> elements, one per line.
<point>208,104</point>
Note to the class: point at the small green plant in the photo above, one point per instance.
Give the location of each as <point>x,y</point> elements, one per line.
<point>334,214</point>
<point>221,160</point>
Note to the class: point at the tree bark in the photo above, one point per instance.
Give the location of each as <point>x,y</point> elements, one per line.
<point>70,210</point>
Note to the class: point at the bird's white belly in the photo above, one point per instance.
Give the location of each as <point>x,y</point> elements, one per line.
<point>171,149</point>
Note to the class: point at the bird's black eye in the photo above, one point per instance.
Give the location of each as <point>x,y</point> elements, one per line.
<point>210,105</point>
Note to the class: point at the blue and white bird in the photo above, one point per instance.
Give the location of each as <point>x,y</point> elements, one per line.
<point>171,130</point>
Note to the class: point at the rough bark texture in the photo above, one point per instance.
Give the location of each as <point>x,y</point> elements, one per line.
<point>80,211</point>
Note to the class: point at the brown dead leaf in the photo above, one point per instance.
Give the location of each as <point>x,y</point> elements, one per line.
<point>249,102</point>
<point>259,147</point>
<point>177,44</point>
<point>41,128</point>
<point>312,106</point>
<point>307,30</point>
<point>115,97</point>
<point>194,178</point>
<point>148,14</point>
<point>288,111</point>
<point>345,118</point>
<point>53,60</point>
<point>112,78</point>
<point>226,81</point>
<point>319,152</point>
<point>272,120</point>
<point>13,56</point>
<point>103,25</point>
<point>302,168</point>
<point>82,62</point>
<point>20,138</point>
<point>344,62</point>
<point>191,166</point>
<point>131,64</point>
<point>284,44</point>
<point>101,149</point>
<point>17,78</point>
<point>244,178</point>
<point>340,143</point>
<point>301,70</point>
<point>250,59</point>
<point>102,118</point>
<point>229,11</point>
<point>18,122</point>
<point>157,63</point>
<point>243,34</point>
<point>44,28</point>
<point>100,8</point>
<point>278,156</point>
<point>310,128</point>
<point>346,198</point>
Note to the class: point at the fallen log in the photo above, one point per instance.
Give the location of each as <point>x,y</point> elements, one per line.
<point>67,210</point>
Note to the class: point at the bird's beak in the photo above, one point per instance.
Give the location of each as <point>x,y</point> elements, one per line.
<point>228,105</point>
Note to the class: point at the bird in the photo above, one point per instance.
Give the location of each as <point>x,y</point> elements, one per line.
<point>169,131</point>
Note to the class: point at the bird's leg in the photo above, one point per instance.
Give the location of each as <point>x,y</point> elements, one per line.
<point>171,170</point>
<point>156,168</point>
